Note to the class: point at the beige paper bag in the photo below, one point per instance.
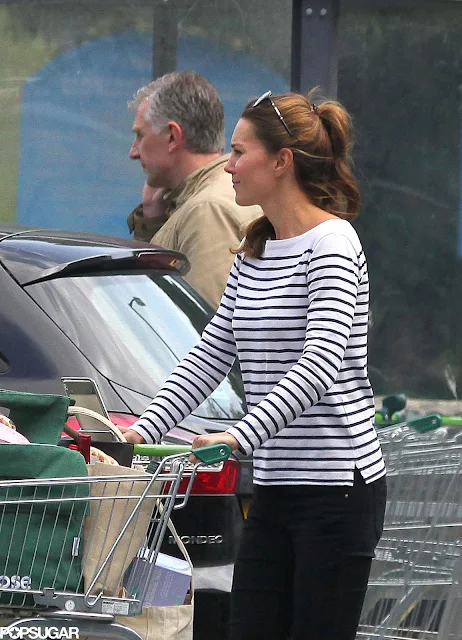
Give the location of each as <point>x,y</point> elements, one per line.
<point>162,623</point>
<point>106,520</point>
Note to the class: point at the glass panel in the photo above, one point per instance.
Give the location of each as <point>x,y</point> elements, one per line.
<point>400,74</point>
<point>235,55</point>
<point>144,327</point>
<point>67,70</point>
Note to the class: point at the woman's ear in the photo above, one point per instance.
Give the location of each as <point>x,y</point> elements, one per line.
<point>284,161</point>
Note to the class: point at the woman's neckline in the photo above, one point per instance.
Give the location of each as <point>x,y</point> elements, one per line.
<point>294,239</point>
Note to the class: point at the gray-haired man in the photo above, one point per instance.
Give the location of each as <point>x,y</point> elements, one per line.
<point>179,140</point>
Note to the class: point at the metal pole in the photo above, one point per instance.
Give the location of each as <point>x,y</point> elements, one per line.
<point>314,45</point>
<point>165,37</point>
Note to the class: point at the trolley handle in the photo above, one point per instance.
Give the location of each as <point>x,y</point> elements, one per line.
<point>207,455</point>
<point>454,421</point>
<point>429,422</point>
<point>421,424</point>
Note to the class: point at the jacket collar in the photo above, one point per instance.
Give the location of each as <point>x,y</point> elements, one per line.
<point>193,183</point>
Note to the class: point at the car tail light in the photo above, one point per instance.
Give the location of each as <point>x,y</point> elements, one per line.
<point>72,422</point>
<point>119,419</point>
<point>122,419</point>
<point>215,482</point>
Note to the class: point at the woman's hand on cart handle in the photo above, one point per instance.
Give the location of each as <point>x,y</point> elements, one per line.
<point>132,436</point>
<point>223,437</point>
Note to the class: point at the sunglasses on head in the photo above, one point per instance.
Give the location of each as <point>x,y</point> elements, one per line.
<point>267,96</point>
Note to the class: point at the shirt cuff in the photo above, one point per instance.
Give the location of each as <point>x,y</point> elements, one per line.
<point>244,446</point>
<point>144,433</point>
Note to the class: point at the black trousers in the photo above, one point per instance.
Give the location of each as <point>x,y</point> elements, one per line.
<point>304,561</point>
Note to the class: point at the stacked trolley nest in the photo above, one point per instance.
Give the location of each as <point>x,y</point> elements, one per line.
<point>414,589</point>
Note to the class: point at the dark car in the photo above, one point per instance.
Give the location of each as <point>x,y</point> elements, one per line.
<point>76,305</point>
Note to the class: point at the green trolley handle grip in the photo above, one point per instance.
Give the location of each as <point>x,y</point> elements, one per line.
<point>455,421</point>
<point>429,422</point>
<point>207,455</point>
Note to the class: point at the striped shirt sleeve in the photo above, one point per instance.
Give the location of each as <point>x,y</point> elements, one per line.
<point>198,374</point>
<point>333,275</point>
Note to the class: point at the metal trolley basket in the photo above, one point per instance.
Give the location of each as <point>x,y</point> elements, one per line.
<point>414,589</point>
<point>66,542</point>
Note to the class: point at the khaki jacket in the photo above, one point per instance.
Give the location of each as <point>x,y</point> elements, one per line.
<point>204,223</point>
<point>144,228</point>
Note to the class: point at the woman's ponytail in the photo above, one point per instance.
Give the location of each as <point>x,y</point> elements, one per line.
<point>345,197</point>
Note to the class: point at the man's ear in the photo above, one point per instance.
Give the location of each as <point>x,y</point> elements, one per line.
<point>284,161</point>
<point>176,137</point>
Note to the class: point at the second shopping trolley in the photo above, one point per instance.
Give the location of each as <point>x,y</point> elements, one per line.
<point>415,585</point>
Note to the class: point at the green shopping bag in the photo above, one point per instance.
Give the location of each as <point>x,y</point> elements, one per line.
<point>40,542</point>
<point>38,416</point>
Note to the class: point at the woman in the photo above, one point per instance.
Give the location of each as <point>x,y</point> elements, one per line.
<point>295,313</point>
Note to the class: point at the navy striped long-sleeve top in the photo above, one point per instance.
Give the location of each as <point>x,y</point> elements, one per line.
<point>297,319</point>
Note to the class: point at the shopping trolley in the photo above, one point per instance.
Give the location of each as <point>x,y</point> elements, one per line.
<point>414,588</point>
<point>68,543</point>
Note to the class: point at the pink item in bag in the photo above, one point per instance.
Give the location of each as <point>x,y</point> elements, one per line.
<point>11,436</point>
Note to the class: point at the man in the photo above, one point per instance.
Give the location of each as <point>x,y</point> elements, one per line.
<point>179,141</point>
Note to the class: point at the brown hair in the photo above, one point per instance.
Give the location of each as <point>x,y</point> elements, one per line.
<point>321,143</point>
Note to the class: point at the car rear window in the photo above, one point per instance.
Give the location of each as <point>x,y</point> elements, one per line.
<point>135,328</point>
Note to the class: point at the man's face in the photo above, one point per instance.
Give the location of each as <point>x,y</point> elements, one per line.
<point>151,149</point>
